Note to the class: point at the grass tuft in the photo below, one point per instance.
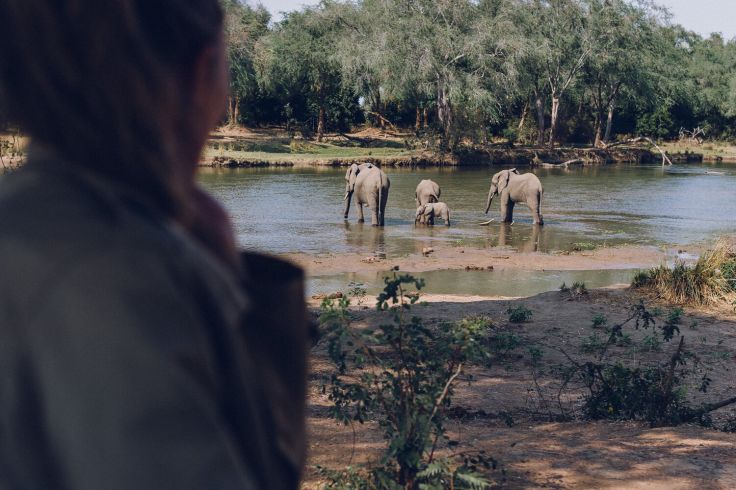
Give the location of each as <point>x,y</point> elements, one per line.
<point>710,281</point>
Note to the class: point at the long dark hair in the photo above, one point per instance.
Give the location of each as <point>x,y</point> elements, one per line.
<point>98,81</point>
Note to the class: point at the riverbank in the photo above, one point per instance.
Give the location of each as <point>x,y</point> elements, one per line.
<point>475,259</point>
<point>248,148</point>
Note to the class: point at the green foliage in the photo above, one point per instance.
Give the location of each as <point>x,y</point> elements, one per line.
<point>357,291</point>
<point>651,391</point>
<point>600,320</point>
<point>582,246</point>
<point>402,376</point>
<point>519,314</point>
<point>481,70</point>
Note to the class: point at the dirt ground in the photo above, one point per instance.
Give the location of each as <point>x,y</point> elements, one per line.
<point>537,451</point>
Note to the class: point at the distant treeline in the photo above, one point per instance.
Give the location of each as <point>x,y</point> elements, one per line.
<point>533,71</point>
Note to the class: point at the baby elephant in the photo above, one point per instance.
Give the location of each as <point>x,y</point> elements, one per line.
<point>427,212</point>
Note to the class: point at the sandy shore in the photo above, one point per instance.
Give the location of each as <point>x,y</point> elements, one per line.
<point>458,258</point>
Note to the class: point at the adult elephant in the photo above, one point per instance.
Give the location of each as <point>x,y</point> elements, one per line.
<point>370,185</point>
<point>514,187</point>
<point>427,191</point>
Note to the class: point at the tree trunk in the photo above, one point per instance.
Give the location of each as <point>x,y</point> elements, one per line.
<point>554,120</point>
<point>418,120</point>
<point>522,120</point>
<point>321,123</point>
<point>598,142</point>
<point>609,123</point>
<point>425,118</point>
<point>444,114</point>
<point>233,110</point>
<point>539,104</point>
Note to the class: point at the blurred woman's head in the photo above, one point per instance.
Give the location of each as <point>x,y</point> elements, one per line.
<point>126,88</point>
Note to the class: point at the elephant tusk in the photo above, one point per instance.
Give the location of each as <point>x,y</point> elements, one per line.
<point>346,196</point>
<point>486,223</point>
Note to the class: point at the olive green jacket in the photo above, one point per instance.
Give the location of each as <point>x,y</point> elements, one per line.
<point>129,357</point>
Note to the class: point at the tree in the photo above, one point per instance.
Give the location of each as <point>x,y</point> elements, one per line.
<point>299,61</point>
<point>622,36</point>
<point>563,33</point>
<point>244,26</point>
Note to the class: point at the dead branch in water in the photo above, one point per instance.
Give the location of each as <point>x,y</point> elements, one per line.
<point>665,159</point>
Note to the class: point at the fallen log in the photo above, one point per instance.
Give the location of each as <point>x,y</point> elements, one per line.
<point>665,159</point>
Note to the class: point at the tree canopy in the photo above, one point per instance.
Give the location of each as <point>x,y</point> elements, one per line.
<point>535,71</point>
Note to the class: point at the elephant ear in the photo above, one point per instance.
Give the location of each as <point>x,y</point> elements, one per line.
<point>351,175</point>
<point>513,170</point>
<point>503,180</point>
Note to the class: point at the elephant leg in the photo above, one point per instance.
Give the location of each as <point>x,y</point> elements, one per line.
<point>361,218</point>
<point>375,211</point>
<point>536,207</point>
<point>384,201</point>
<point>508,212</point>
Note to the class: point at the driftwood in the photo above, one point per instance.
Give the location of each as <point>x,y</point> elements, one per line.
<point>574,161</point>
<point>383,119</point>
<point>641,139</point>
<point>362,141</point>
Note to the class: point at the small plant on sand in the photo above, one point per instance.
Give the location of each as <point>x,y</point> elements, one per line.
<point>519,314</point>
<point>582,246</point>
<point>709,281</point>
<point>600,320</point>
<point>358,291</point>
<point>402,376</point>
<point>577,290</point>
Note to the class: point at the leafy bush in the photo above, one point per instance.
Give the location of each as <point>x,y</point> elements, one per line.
<point>600,320</point>
<point>402,376</point>
<point>519,314</point>
<point>652,391</point>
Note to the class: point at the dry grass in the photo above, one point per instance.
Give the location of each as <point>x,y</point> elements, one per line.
<point>712,280</point>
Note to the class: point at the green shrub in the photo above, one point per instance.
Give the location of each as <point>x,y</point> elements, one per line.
<point>519,314</point>
<point>600,320</point>
<point>402,375</point>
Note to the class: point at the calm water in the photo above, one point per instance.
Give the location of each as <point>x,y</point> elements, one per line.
<point>300,210</point>
<point>480,283</point>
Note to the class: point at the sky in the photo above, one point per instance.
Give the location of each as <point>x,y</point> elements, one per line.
<point>702,16</point>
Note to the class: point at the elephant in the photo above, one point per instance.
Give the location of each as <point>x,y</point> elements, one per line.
<point>513,188</point>
<point>427,212</point>
<point>370,185</point>
<point>428,191</point>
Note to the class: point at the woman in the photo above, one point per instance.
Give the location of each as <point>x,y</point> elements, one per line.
<point>133,351</point>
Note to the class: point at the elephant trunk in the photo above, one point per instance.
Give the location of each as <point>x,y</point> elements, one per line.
<point>347,199</point>
<point>491,193</point>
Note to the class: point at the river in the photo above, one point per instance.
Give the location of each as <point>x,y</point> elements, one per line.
<point>300,209</point>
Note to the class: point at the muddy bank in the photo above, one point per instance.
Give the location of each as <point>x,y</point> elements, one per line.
<point>465,258</point>
<point>534,452</point>
<point>467,158</point>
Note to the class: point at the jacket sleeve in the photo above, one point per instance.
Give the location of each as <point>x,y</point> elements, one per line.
<point>127,378</point>
<point>276,334</point>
